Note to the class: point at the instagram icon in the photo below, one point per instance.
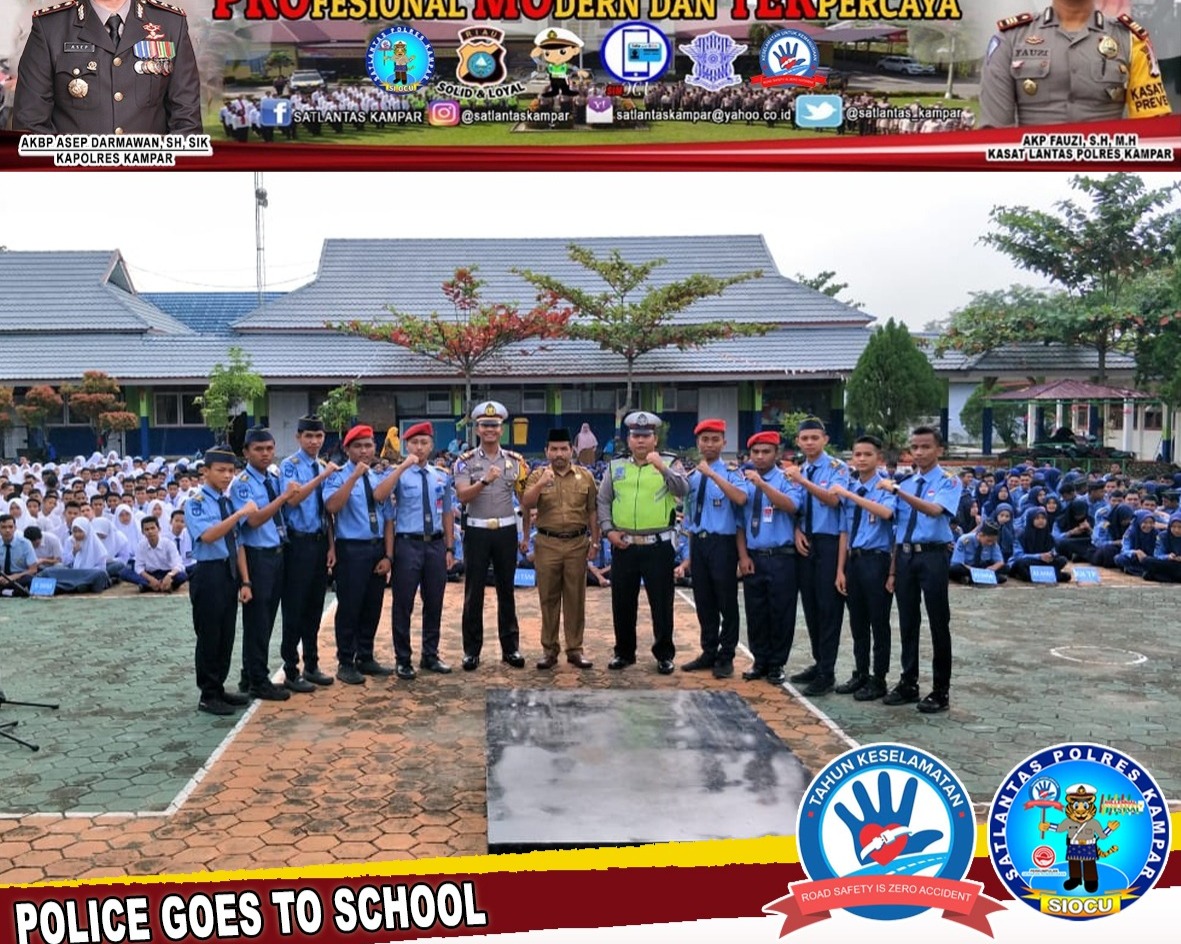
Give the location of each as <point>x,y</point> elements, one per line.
<point>443,113</point>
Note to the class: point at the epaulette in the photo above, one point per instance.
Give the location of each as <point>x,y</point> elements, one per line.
<point>243,477</point>
<point>68,5</point>
<point>1132,26</point>
<point>468,454</point>
<point>165,6</point>
<point>516,455</point>
<point>1010,22</point>
<point>966,539</point>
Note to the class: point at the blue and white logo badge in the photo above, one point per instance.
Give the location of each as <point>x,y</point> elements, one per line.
<point>636,52</point>
<point>885,831</point>
<point>819,111</point>
<point>400,60</point>
<point>788,57</point>
<point>1079,831</point>
<point>713,56</point>
<point>274,112</point>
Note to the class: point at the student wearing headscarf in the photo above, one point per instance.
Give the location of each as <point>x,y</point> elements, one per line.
<point>1035,547</point>
<point>118,553</point>
<point>1108,539</point>
<point>1034,499</point>
<point>1139,545</point>
<point>1000,495</point>
<point>978,550</point>
<point>1072,532</point>
<point>1006,539</point>
<point>84,562</point>
<point>586,445</point>
<point>125,523</point>
<point>1165,563</point>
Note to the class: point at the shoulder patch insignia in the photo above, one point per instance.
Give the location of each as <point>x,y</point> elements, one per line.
<point>243,477</point>
<point>1132,26</point>
<point>165,6</point>
<point>68,5</point>
<point>243,491</point>
<point>1011,22</point>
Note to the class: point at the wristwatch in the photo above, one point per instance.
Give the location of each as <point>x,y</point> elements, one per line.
<point>247,583</point>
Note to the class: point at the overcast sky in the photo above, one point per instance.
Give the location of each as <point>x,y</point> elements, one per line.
<point>907,244</point>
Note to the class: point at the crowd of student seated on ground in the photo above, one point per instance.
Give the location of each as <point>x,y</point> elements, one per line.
<point>95,522</point>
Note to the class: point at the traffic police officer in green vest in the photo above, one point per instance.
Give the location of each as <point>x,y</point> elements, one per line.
<point>636,505</point>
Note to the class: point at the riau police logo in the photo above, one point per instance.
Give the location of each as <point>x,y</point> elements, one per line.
<point>481,56</point>
<point>885,831</point>
<point>1078,831</point>
<point>400,60</point>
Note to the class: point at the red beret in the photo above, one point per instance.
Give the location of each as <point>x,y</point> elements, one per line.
<point>710,426</point>
<point>766,436</point>
<point>358,432</point>
<point>419,429</point>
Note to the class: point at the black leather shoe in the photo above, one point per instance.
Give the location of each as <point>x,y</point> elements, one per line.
<point>821,685</point>
<point>776,675</point>
<point>435,664</point>
<point>723,668</point>
<point>934,702</point>
<point>405,671</point>
<point>471,663</point>
<point>296,683</point>
<point>235,700</point>
<point>371,666</point>
<point>852,685</point>
<point>349,675</point>
<point>214,706</point>
<point>619,662</point>
<point>665,667</point>
<point>316,677</point>
<point>808,675</point>
<point>701,662</point>
<point>901,695</point>
<point>872,690</point>
<point>514,658</point>
<point>269,691</point>
<point>579,661</point>
<point>546,663</point>
<point>756,671</point>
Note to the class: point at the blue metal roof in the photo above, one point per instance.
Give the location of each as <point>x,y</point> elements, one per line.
<point>208,313</point>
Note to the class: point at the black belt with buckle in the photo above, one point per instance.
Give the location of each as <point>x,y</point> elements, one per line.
<point>771,551</point>
<point>421,537</point>
<point>864,552</point>
<point>922,548</point>
<point>277,549</point>
<point>360,541</point>
<point>306,535</point>
<point>564,535</point>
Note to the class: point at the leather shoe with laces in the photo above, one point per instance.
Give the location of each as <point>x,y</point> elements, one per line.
<point>776,675</point>
<point>434,664</point>
<point>854,683</point>
<point>665,667</point>
<point>701,662</point>
<point>934,702</point>
<point>808,675</point>
<point>471,663</point>
<point>214,706</point>
<point>316,677</point>
<point>269,691</point>
<point>579,661</point>
<point>901,695</point>
<point>548,662</point>
<point>405,671</point>
<point>514,658</point>
<point>756,671</point>
<point>371,666</point>
<point>296,683</point>
<point>723,668</point>
<point>349,675</point>
<point>619,662</point>
<point>821,685</point>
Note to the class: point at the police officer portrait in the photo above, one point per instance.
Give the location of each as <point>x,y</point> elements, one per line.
<point>108,67</point>
<point>1069,63</point>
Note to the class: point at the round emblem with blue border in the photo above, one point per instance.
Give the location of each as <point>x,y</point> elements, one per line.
<point>400,60</point>
<point>1079,831</point>
<point>788,52</point>
<point>886,810</point>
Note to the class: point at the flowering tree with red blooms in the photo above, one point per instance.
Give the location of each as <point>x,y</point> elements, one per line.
<point>38,404</point>
<point>97,399</point>
<point>6,401</point>
<point>475,332</point>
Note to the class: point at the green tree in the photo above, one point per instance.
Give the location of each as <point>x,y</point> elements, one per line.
<point>892,386</point>
<point>472,334</point>
<point>823,283</point>
<point>339,407</point>
<point>37,405</point>
<point>1092,254</point>
<point>634,317</point>
<point>1006,415</point>
<point>230,386</point>
<point>280,59</point>
<point>97,399</point>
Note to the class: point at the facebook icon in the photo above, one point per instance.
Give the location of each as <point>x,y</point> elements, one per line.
<point>274,112</point>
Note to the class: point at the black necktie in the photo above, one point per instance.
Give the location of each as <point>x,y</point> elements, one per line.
<point>979,561</point>
<point>7,559</point>
<point>223,503</point>
<point>700,500</point>
<point>272,494</point>
<point>756,515</point>
<point>428,520</point>
<point>811,473</point>
<point>856,519</point>
<point>914,512</point>
<point>113,24</point>
<point>372,505</point>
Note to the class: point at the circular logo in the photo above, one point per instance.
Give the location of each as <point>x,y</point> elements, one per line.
<point>886,810</point>
<point>636,51</point>
<point>400,60</point>
<point>788,52</point>
<point>1092,822</point>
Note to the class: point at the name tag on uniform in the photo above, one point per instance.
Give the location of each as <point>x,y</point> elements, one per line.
<point>439,507</point>
<point>982,576</point>
<point>717,503</point>
<point>1040,573</point>
<point>78,47</point>
<point>768,513</point>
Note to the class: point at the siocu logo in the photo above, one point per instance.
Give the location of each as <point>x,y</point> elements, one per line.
<point>274,112</point>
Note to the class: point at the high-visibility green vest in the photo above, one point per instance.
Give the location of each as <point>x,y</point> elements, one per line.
<point>642,500</point>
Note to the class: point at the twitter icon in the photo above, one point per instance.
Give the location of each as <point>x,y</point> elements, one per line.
<point>819,111</point>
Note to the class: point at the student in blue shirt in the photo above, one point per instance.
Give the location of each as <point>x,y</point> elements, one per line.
<point>922,534</point>
<point>1139,545</point>
<point>1165,563</point>
<point>1072,532</point>
<point>863,569</point>
<point>18,559</point>
<point>980,549</point>
<point>1035,548</point>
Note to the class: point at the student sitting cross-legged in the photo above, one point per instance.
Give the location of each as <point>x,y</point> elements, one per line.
<point>978,549</point>
<point>1035,547</point>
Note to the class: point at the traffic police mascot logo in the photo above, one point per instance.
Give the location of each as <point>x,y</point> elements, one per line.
<point>885,831</point>
<point>1078,831</point>
<point>400,60</point>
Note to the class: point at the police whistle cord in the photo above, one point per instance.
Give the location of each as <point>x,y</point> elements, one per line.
<point>6,727</point>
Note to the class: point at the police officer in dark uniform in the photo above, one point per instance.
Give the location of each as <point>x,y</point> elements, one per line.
<point>263,535</point>
<point>863,568</point>
<point>108,67</point>
<point>424,526</point>
<point>220,579</point>
<point>817,539</point>
<point>712,511</point>
<point>927,501</point>
<point>766,558</point>
<point>308,556</point>
<point>364,555</point>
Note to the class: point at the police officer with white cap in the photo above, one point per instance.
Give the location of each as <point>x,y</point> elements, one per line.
<point>487,480</point>
<point>558,47</point>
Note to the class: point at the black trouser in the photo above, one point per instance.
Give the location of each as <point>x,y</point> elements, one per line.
<point>653,563</point>
<point>770,595</point>
<point>1105,554</point>
<point>1020,569</point>
<point>498,546</point>
<point>305,583</point>
<point>1162,570</point>
<point>1075,549</point>
<point>922,578</point>
<point>714,561</point>
<point>258,616</point>
<point>418,564</point>
<point>358,598</point>
<point>869,609</point>
<point>213,593</point>
<point>824,607</point>
<point>964,572</point>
